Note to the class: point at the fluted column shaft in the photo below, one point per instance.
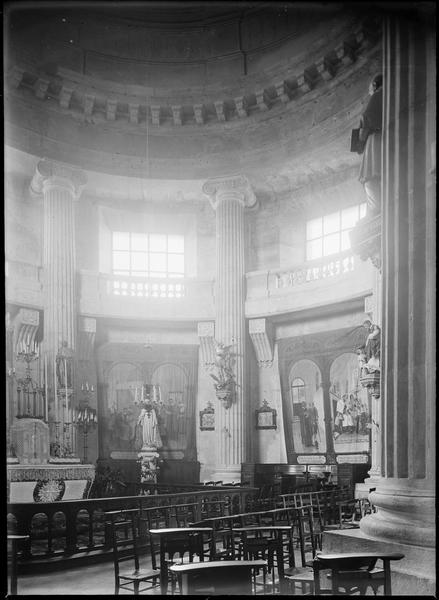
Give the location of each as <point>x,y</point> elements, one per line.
<point>405,492</point>
<point>59,266</point>
<point>229,197</point>
<point>60,186</point>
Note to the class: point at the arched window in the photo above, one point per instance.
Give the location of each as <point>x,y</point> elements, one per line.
<point>298,390</point>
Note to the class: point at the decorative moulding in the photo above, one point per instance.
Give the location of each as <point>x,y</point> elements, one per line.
<point>325,67</point>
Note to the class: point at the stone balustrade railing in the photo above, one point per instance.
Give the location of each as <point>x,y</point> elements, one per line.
<point>136,104</point>
<point>340,278</point>
<point>314,271</point>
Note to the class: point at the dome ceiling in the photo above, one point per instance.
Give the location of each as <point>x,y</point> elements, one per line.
<point>158,91</point>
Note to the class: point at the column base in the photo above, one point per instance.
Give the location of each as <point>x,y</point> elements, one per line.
<point>414,575</point>
<point>405,512</point>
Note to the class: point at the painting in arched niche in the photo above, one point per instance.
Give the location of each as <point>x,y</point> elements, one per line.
<point>306,395</point>
<point>122,413</point>
<point>175,408</point>
<point>350,406</point>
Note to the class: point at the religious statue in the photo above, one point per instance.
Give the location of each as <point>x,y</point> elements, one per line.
<point>150,430</point>
<point>370,135</point>
<point>372,347</point>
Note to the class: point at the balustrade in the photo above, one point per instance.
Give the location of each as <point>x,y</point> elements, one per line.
<point>146,288</point>
<point>328,267</point>
<point>73,528</point>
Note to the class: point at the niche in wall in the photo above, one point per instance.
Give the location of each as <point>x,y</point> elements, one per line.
<point>123,367</point>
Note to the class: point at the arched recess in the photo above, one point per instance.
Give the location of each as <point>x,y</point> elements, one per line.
<point>350,406</point>
<point>177,412</point>
<point>120,412</point>
<point>303,406</point>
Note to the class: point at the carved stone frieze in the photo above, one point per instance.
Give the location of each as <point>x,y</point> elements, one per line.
<point>344,53</point>
<point>35,473</point>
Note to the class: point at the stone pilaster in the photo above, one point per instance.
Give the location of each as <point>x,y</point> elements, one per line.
<point>60,186</point>
<point>229,197</point>
<point>405,492</point>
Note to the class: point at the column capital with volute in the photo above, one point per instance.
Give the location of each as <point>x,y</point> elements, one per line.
<point>232,186</point>
<point>51,174</point>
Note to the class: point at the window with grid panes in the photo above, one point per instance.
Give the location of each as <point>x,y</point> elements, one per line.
<point>155,255</point>
<point>329,234</point>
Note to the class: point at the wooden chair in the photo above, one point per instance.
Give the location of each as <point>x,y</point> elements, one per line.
<point>301,576</point>
<point>351,573</point>
<point>183,542</point>
<point>220,545</point>
<point>126,551</point>
<point>157,517</point>
<point>15,541</point>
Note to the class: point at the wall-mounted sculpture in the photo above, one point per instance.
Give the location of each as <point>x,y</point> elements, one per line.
<point>223,375</point>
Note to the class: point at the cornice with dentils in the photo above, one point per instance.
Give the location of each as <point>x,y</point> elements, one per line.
<point>132,104</point>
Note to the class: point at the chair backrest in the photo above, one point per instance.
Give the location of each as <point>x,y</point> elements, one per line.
<point>184,513</point>
<point>304,526</point>
<point>180,543</point>
<point>125,536</point>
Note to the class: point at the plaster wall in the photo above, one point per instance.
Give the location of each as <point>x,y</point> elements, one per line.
<point>23,222</point>
<point>269,444</point>
<point>206,440</point>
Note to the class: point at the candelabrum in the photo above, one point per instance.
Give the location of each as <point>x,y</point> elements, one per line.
<point>148,397</point>
<point>86,418</point>
<point>30,396</point>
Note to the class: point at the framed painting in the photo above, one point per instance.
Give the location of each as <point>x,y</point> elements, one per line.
<point>207,418</point>
<point>266,417</point>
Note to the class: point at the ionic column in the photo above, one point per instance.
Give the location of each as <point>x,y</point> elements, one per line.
<point>405,491</point>
<point>60,186</point>
<point>229,197</point>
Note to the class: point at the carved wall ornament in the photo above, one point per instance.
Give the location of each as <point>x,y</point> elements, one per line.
<point>223,375</point>
<point>261,334</point>
<point>366,240</point>
<point>49,490</point>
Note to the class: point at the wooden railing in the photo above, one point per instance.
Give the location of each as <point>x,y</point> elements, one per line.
<point>77,528</point>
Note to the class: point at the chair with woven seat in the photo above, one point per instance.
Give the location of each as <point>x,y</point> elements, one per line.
<point>127,549</point>
<point>352,573</point>
<point>301,576</point>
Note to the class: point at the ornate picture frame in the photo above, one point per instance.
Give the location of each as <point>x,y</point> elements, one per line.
<point>207,418</point>
<point>266,417</point>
